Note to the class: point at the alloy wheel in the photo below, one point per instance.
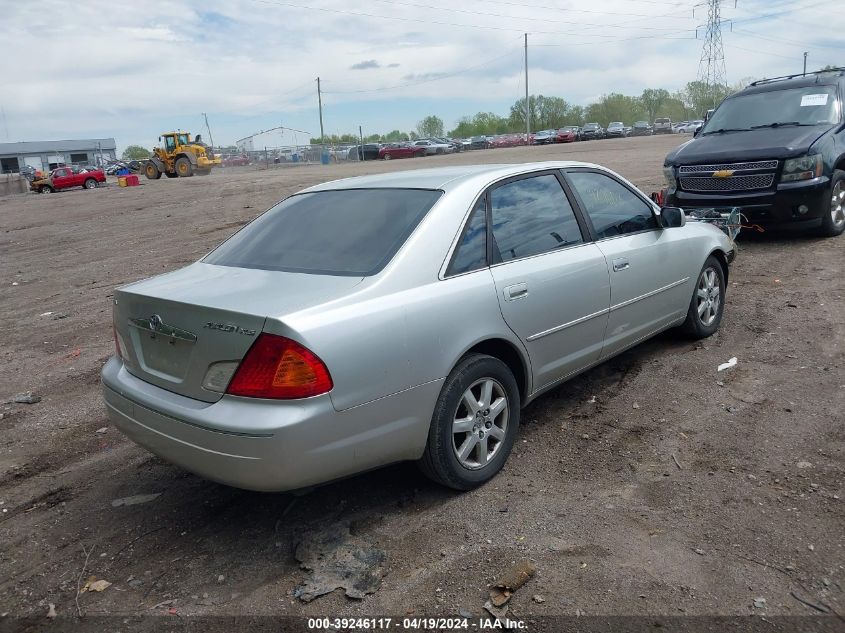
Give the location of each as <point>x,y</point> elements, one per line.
<point>837,204</point>
<point>708,296</point>
<point>480,423</point>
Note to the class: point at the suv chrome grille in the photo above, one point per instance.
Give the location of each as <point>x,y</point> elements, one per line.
<point>733,183</point>
<point>697,169</point>
<point>728,176</point>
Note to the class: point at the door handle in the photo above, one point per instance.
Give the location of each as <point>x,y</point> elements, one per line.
<point>620,264</point>
<point>516,291</point>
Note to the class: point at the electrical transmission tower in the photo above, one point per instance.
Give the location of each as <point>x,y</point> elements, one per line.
<point>711,67</point>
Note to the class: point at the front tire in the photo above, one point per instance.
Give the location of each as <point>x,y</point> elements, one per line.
<point>474,424</point>
<point>184,167</point>
<point>387,157</point>
<point>708,301</point>
<point>90,183</point>
<point>833,218</point>
<point>46,189</point>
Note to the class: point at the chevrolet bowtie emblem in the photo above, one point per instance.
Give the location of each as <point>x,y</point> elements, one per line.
<point>723,173</point>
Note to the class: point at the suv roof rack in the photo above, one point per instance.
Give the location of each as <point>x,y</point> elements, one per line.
<point>759,82</point>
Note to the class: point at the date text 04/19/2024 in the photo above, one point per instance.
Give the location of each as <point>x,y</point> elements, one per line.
<point>413,623</point>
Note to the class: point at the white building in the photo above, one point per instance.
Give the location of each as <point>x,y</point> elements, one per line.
<point>46,155</point>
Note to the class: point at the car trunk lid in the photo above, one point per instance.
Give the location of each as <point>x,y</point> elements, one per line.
<point>174,327</point>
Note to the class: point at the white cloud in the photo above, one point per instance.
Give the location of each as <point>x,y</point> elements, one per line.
<point>100,70</point>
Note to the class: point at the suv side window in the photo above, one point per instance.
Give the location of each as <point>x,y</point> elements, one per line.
<point>531,216</point>
<point>471,252</point>
<point>613,208</point>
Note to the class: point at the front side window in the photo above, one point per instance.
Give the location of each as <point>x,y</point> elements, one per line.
<point>531,216</point>
<point>613,208</point>
<point>353,232</point>
<point>471,253</point>
<point>169,143</point>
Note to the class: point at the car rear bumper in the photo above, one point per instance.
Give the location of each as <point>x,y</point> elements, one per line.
<point>269,445</point>
<point>774,210</point>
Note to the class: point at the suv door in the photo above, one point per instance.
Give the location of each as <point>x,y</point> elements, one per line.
<point>648,290</point>
<point>552,283</point>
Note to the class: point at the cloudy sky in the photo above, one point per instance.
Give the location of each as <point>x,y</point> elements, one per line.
<point>97,69</point>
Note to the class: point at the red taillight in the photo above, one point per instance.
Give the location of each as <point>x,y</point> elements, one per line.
<point>278,368</point>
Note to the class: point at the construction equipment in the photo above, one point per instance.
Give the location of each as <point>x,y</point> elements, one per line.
<point>180,156</point>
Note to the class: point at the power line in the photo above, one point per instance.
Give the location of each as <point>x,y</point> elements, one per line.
<point>420,20</point>
<point>517,17</point>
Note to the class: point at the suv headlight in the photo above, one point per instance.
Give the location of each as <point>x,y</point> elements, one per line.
<point>669,174</point>
<point>802,168</point>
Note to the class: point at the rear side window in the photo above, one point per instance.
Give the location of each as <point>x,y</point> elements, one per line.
<point>353,232</point>
<point>471,253</point>
<point>531,216</point>
<point>612,207</point>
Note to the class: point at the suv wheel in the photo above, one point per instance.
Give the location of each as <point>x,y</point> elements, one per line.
<point>833,219</point>
<point>474,424</point>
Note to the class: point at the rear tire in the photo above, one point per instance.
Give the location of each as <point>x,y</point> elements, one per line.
<point>387,157</point>
<point>474,424</point>
<point>46,189</point>
<point>151,171</point>
<point>708,301</point>
<point>184,168</point>
<point>833,215</point>
<point>90,183</point>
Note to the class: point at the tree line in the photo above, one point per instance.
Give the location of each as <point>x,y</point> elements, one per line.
<point>550,112</point>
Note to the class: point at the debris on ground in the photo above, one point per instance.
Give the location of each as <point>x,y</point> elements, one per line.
<point>464,613</point>
<point>538,598</point>
<point>520,573</point>
<point>759,603</point>
<point>804,465</point>
<point>338,560</point>
<point>26,398</point>
<point>102,430</point>
<point>95,585</point>
<point>51,610</point>
<point>731,363</point>
<point>134,500</point>
<point>496,612</point>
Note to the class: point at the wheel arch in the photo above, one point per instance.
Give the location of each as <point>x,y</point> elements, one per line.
<point>722,258</point>
<point>840,163</point>
<point>507,352</point>
<point>191,158</point>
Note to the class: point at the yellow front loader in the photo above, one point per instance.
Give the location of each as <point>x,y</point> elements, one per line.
<point>179,156</point>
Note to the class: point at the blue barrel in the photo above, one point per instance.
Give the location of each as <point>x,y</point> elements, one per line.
<point>324,157</point>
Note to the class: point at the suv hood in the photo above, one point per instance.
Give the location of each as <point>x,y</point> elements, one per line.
<point>760,144</point>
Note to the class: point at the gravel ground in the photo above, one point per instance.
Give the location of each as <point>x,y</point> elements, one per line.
<point>651,485</point>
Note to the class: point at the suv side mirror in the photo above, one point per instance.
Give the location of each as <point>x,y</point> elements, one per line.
<point>671,217</point>
<point>697,130</point>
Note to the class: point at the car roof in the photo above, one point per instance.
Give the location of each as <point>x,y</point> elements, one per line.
<point>832,78</point>
<point>444,178</point>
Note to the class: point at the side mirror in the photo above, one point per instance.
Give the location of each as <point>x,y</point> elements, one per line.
<point>697,130</point>
<point>671,217</point>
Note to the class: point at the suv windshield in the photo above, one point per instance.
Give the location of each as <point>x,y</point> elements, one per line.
<point>811,105</point>
<point>353,232</point>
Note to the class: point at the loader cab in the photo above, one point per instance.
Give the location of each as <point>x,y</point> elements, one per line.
<point>183,138</point>
<point>169,143</point>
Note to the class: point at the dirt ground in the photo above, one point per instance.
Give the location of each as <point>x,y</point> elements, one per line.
<point>652,485</point>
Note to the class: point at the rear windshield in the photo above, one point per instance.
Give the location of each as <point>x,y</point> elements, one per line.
<point>810,105</point>
<point>351,232</point>
<point>663,121</point>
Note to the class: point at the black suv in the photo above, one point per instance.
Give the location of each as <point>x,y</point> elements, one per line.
<point>592,131</point>
<point>775,149</point>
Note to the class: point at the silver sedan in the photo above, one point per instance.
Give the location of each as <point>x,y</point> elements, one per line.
<point>402,316</point>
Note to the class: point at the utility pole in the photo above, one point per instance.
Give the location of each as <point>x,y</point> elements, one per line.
<point>6,127</point>
<point>527,106</point>
<point>320,104</point>
<point>361,136</point>
<point>805,63</point>
<point>207,127</point>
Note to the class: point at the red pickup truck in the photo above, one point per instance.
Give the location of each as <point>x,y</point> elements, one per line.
<point>67,177</point>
